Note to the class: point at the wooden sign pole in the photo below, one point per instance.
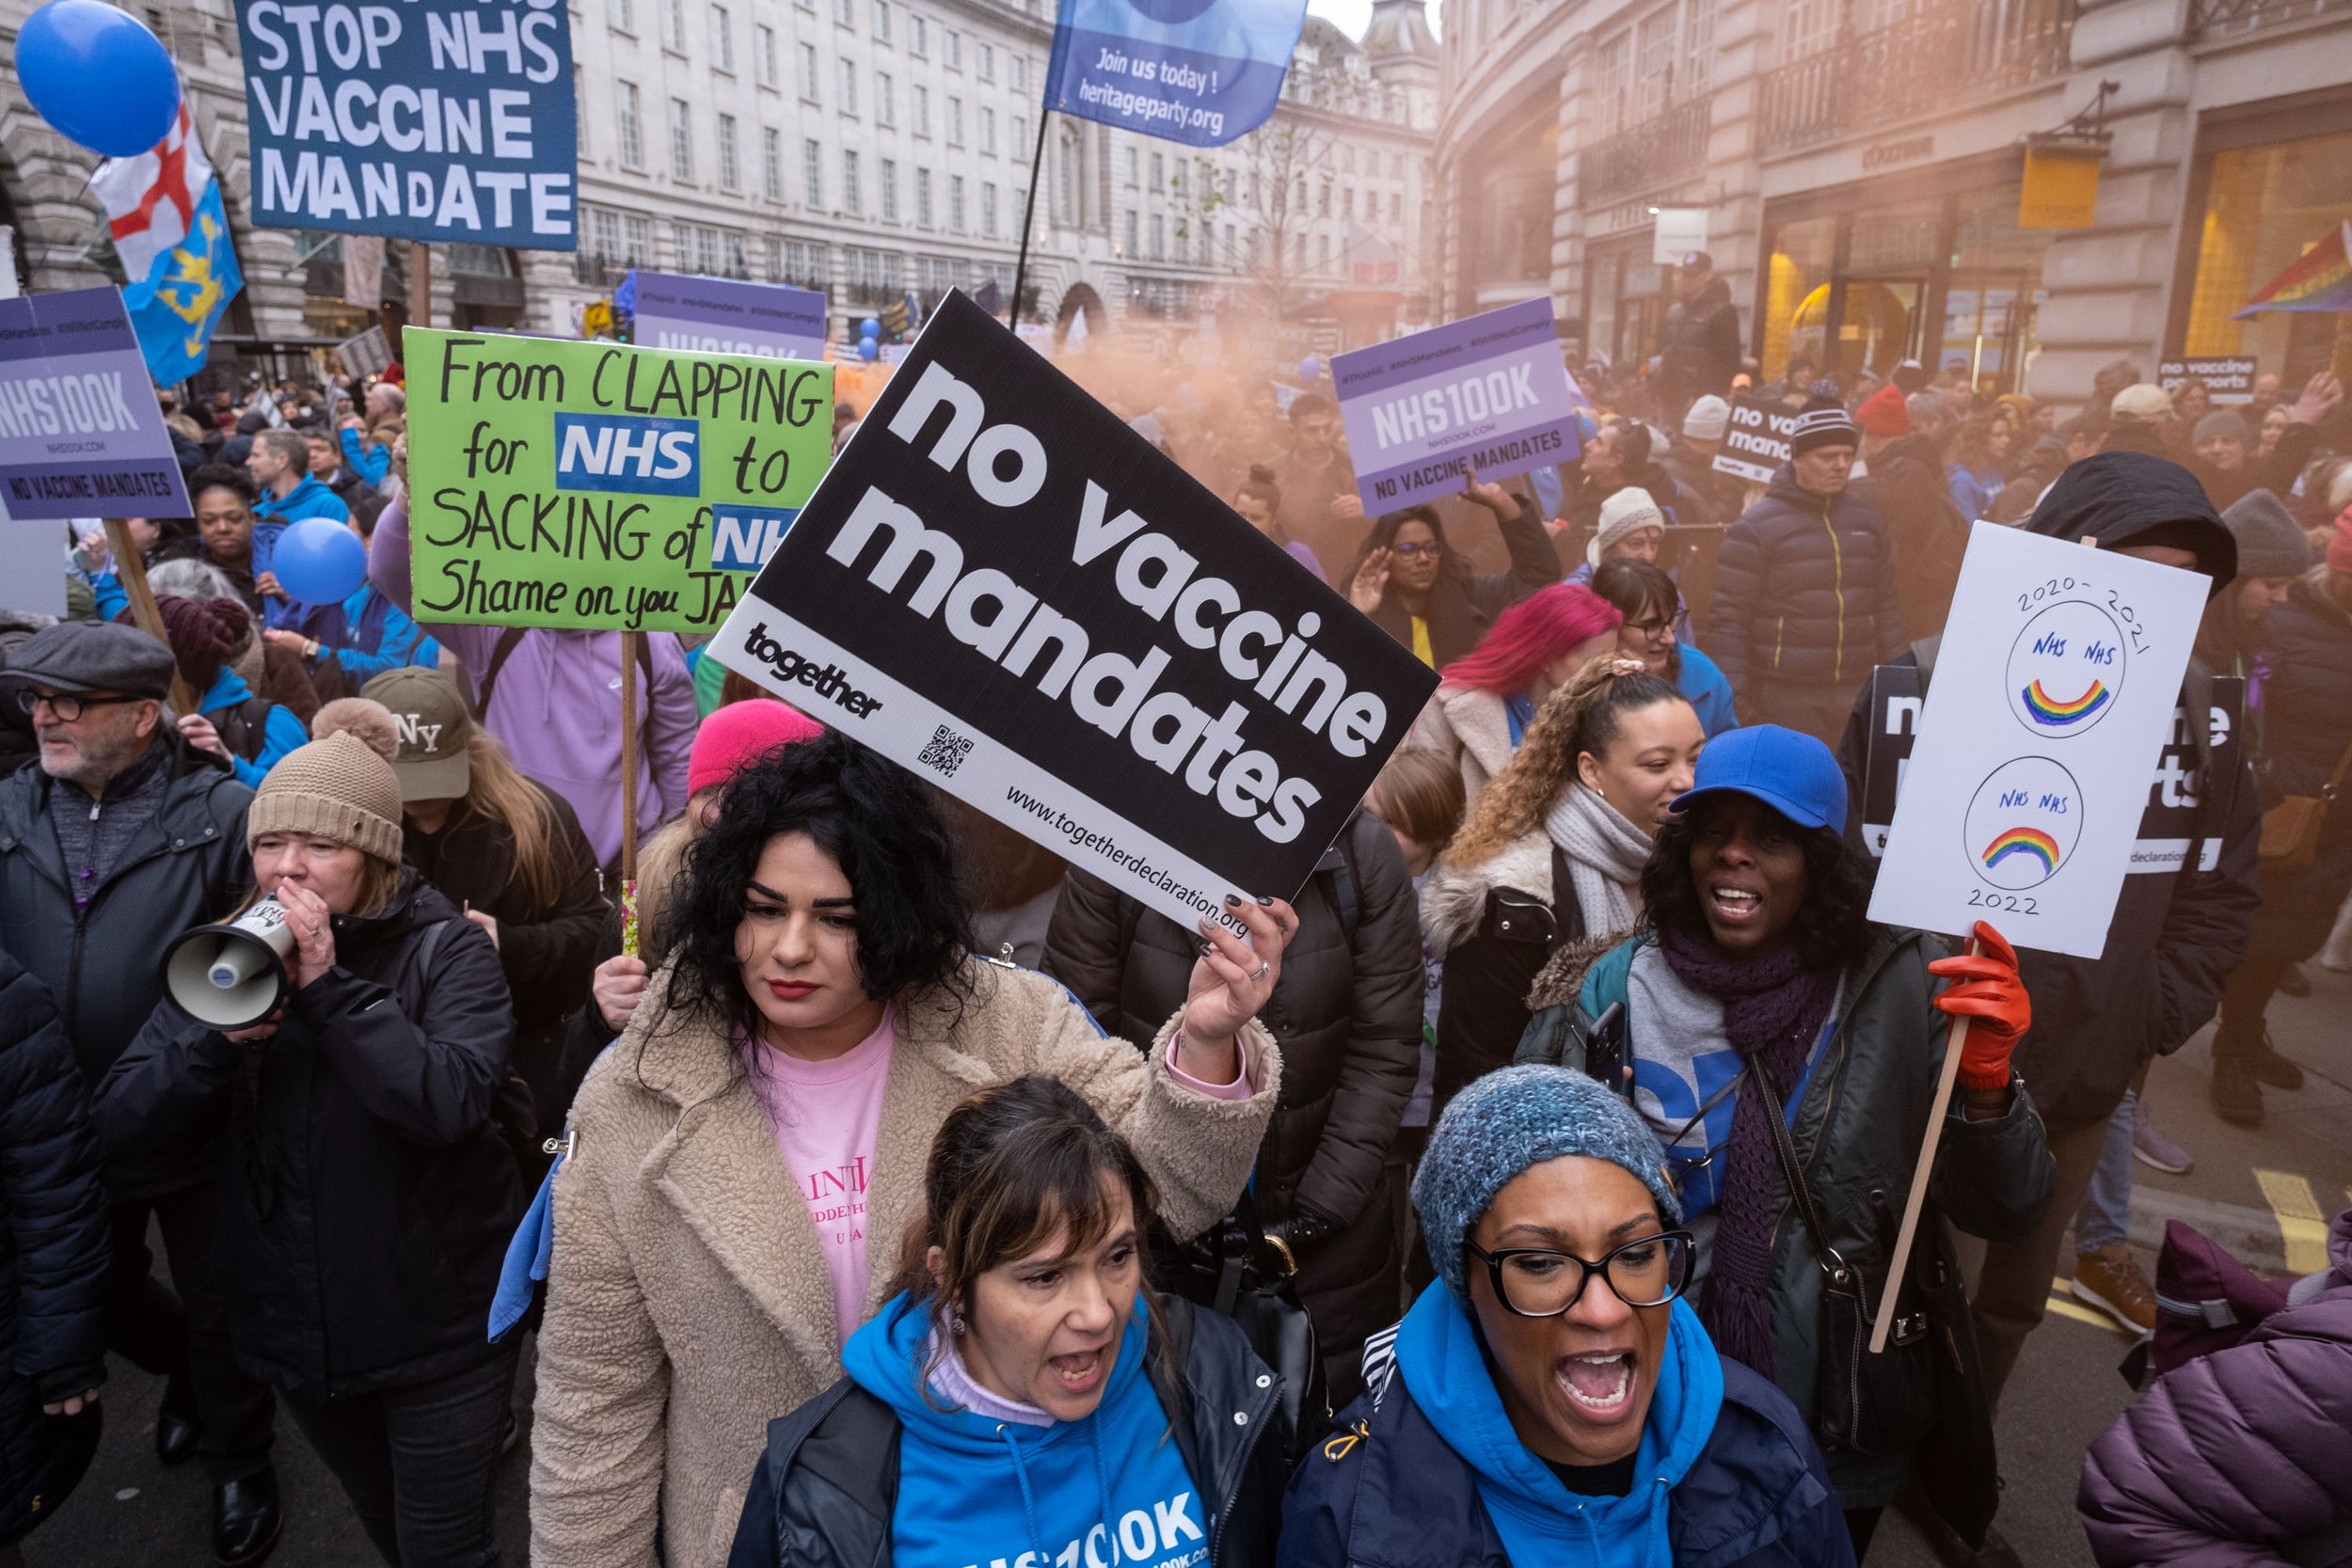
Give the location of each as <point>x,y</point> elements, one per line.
<point>629,760</point>
<point>1921,1174</point>
<point>133,571</point>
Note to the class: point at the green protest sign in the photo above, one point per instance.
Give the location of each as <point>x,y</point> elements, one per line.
<point>556,483</point>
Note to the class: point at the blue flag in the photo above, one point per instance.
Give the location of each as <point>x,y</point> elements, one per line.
<point>1200,71</point>
<point>176,306</point>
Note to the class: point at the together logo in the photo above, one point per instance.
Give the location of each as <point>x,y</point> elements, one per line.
<point>829,680</point>
<point>640,457</point>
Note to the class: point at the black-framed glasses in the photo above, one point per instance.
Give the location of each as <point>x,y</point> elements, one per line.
<point>1429,547</point>
<point>68,708</point>
<point>1661,630</point>
<point>1538,1282</point>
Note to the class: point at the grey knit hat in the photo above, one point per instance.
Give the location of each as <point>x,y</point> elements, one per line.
<point>337,789</point>
<point>2223,421</point>
<point>1508,1121</point>
<point>2269,544</point>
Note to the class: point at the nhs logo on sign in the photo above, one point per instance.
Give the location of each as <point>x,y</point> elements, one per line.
<point>743,537</point>
<point>644,457</point>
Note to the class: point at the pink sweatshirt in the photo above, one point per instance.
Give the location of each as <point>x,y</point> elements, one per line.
<point>827,1118</point>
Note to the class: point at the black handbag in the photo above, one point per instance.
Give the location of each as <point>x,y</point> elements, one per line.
<point>1231,1271</point>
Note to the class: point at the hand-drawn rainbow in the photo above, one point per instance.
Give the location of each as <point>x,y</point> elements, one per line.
<point>2047,709</point>
<point>2023,841</point>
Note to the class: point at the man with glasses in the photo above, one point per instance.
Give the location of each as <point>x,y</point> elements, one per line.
<point>1551,1399</point>
<point>123,837</point>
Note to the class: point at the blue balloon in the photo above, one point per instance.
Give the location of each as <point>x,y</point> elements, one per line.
<point>1310,369</point>
<point>99,76</point>
<point>868,350</point>
<point>319,561</point>
<point>869,329</point>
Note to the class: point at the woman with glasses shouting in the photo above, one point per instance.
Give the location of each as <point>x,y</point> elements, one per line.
<point>1420,589</point>
<point>1551,1399</point>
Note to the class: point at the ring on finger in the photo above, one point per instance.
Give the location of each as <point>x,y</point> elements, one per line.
<point>1260,971</point>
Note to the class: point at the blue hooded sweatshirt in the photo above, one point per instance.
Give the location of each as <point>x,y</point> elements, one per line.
<point>1539,1520</point>
<point>311,498</point>
<point>978,1492</point>
<point>280,733</point>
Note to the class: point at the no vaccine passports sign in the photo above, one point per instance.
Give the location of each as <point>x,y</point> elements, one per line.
<point>1001,587</point>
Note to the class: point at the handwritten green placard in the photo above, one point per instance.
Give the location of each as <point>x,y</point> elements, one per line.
<point>557,483</point>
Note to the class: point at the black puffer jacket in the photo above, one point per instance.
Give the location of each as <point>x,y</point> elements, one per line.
<point>1464,604</point>
<point>366,1198</point>
<point>1805,591</point>
<point>827,1487</point>
<point>1698,347</point>
<point>103,964</point>
<point>1907,486</point>
<point>549,954</point>
<point>54,1247</point>
<point>2176,936</point>
<point>1346,1015</point>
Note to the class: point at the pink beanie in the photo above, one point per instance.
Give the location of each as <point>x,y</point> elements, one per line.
<point>741,732</point>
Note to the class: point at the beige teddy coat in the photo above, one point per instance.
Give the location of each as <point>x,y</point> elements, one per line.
<point>687,1302</point>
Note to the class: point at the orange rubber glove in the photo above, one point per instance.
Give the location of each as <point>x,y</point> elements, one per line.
<point>1988,992</point>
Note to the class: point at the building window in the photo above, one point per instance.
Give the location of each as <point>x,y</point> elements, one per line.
<point>984,63</point>
<point>955,202</point>
<point>673,25</point>
<point>1159,237</point>
<point>730,170</point>
<point>951,48</point>
<point>852,201</point>
<point>1653,64</point>
<point>1699,48</point>
<point>721,40</point>
<point>771,162</point>
<point>889,190</point>
<point>845,12</point>
<point>918,35</point>
<point>764,54</point>
<point>1612,65</point>
<point>988,131</point>
<point>1396,206</point>
<point>988,208</point>
<point>1323,251</point>
<point>632,128</point>
<point>1298,250</point>
<point>1019,66</point>
<point>1347,203</point>
<point>954,121</point>
<point>808,71</point>
<point>621,15</point>
<point>882,19</point>
<point>1132,223</point>
<point>1159,172</point>
<point>886,105</point>
<point>1134,161</point>
<point>848,86</point>
<point>1323,199</point>
<point>922,198</point>
<point>813,171</point>
<point>807,262</point>
<point>681,140</point>
<point>1019,133</point>
<point>921,100</point>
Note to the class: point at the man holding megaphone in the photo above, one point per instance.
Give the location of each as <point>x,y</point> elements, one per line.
<point>120,840</point>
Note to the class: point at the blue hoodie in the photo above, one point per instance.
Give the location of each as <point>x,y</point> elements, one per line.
<point>311,498</point>
<point>1539,1519</point>
<point>282,732</point>
<point>978,1492</point>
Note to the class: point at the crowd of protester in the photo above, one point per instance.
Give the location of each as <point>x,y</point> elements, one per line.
<point>1570,1102</point>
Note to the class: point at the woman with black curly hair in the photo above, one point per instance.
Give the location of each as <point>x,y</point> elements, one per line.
<point>1763,990</point>
<point>761,1127</point>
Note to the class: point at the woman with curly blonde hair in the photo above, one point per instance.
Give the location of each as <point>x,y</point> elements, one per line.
<point>1552,856</point>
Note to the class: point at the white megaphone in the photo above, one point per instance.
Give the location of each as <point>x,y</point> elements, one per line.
<point>232,975</point>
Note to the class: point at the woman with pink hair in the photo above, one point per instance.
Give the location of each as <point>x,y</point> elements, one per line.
<point>1488,698</point>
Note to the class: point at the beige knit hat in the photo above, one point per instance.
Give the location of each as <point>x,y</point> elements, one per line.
<point>335,788</point>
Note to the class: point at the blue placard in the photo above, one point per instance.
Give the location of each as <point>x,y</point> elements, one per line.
<point>620,451</point>
<point>434,119</point>
<point>1201,71</point>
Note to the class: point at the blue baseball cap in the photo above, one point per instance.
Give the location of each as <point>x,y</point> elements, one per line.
<point>1789,771</point>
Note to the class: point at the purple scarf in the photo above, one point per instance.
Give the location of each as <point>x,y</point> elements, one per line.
<point>1773,1010</point>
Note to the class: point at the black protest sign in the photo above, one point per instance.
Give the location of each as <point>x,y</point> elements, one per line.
<point>2167,822</point>
<point>1003,588</point>
<point>1758,442</point>
<point>2228,379</point>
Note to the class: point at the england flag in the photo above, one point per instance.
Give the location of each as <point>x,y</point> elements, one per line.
<point>152,200</point>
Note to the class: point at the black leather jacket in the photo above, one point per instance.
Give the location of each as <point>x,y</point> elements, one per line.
<point>827,1487</point>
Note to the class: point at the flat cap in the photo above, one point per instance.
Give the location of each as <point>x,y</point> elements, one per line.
<point>82,656</point>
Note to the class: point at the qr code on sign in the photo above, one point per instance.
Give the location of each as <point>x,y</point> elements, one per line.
<point>946,750</point>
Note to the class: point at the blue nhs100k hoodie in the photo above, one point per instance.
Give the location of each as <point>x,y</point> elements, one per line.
<point>1539,1520</point>
<point>974,1491</point>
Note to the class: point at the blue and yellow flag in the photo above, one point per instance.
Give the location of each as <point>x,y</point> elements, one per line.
<point>176,306</point>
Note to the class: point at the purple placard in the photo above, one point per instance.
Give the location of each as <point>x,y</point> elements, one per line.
<point>721,315</point>
<point>1489,393</point>
<point>81,434</point>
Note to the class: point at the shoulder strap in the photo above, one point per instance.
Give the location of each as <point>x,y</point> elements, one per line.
<point>489,678</point>
<point>1792,1174</point>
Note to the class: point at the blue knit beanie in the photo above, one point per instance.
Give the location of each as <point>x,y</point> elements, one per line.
<point>1512,1119</point>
